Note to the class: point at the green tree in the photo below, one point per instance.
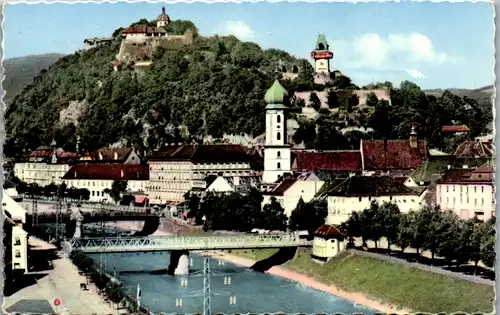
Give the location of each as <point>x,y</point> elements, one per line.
<point>273,216</point>
<point>117,189</point>
<point>371,100</point>
<point>389,217</point>
<point>332,100</point>
<point>308,216</point>
<point>488,253</point>
<point>314,101</point>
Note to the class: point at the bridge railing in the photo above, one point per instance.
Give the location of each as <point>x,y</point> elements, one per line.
<point>90,205</point>
<point>162,243</point>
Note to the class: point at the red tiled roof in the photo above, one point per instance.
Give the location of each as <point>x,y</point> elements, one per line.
<point>329,161</point>
<point>42,153</point>
<point>483,173</point>
<point>447,129</point>
<point>476,149</point>
<point>143,29</point>
<point>216,153</point>
<point>392,154</point>
<point>329,231</point>
<point>282,187</point>
<point>69,155</point>
<point>108,172</point>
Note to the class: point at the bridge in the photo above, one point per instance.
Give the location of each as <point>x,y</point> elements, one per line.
<point>88,205</point>
<point>99,215</point>
<point>184,243</point>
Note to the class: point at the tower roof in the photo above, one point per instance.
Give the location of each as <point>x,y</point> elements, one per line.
<point>163,16</point>
<point>276,94</point>
<point>321,43</point>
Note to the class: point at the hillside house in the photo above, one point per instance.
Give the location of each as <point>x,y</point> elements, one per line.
<point>327,243</point>
<point>468,192</point>
<point>163,19</point>
<point>344,196</point>
<point>98,177</point>
<point>142,32</point>
<point>455,130</point>
<point>476,149</point>
<point>176,170</point>
<point>90,43</point>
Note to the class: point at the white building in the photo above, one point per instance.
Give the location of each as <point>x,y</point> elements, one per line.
<point>290,191</point>
<point>176,170</point>
<point>229,184</point>
<point>98,177</point>
<point>143,32</point>
<point>345,196</point>
<point>17,217</point>
<point>327,243</point>
<point>277,152</point>
<point>45,166</point>
<point>468,192</point>
<point>112,155</point>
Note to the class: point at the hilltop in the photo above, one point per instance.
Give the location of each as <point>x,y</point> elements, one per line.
<point>211,88</point>
<point>20,72</point>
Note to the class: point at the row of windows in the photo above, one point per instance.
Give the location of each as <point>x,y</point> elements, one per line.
<point>461,200</point>
<point>360,199</point>
<point>462,188</point>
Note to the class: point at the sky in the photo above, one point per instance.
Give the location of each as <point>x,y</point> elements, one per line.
<point>436,45</point>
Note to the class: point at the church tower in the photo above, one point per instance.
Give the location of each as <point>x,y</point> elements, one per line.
<point>277,152</point>
<point>322,56</point>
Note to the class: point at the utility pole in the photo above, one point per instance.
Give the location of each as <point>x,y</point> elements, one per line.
<point>59,220</point>
<point>102,258</point>
<point>34,208</point>
<point>206,292</point>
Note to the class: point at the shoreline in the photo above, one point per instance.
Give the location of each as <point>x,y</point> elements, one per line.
<point>283,272</point>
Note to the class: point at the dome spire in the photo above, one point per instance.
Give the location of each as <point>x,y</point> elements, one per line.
<point>276,94</point>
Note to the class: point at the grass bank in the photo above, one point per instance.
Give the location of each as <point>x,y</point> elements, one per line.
<point>391,283</point>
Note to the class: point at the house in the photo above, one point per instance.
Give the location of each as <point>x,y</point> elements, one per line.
<point>45,166</point>
<point>96,42</point>
<point>16,217</point>
<point>112,155</point>
<point>142,32</point>
<point>98,177</point>
<point>344,196</point>
<point>393,157</point>
<point>340,162</point>
<point>455,130</point>
<point>177,169</point>
<point>327,243</point>
<point>291,190</point>
<point>476,149</point>
<point>468,192</point>
<point>228,184</point>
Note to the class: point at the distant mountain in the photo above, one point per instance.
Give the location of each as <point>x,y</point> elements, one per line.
<point>20,72</point>
<point>485,92</point>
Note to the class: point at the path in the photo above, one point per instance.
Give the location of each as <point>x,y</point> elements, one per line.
<point>63,283</point>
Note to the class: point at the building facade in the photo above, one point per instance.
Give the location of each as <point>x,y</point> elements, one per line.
<point>96,178</point>
<point>19,238</point>
<point>176,170</point>
<point>468,192</point>
<point>356,193</point>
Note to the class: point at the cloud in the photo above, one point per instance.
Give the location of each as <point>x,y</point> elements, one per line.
<point>415,73</point>
<point>396,51</point>
<point>237,28</point>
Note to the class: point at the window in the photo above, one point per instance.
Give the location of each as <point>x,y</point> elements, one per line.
<point>278,154</point>
<point>475,201</point>
<point>453,188</point>
<point>278,136</point>
<point>482,189</point>
<point>447,188</point>
<point>453,200</point>
<point>278,119</point>
<point>93,193</point>
<point>360,198</point>
<point>474,188</point>
<point>279,165</point>
<point>482,201</point>
<point>18,253</point>
<point>17,240</point>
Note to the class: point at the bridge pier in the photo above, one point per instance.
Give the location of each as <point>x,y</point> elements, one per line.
<point>280,257</point>
<point>179,262</point>
<point>78,229</point>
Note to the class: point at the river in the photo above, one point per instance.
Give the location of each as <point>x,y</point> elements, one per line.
<point>255,292</point>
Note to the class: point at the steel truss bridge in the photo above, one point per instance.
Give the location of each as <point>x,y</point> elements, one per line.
<point>171,243</point>
<point>85,205</point>
<point>99,215</point>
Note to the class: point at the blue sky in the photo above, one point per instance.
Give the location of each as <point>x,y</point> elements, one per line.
<point>436,45</point>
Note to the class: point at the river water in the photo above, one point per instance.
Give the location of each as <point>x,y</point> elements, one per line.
<point>255,292</point>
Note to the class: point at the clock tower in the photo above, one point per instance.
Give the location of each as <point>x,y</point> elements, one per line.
<point>322,55</point>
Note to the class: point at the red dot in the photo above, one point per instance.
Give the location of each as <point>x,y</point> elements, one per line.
<point>57,302</point>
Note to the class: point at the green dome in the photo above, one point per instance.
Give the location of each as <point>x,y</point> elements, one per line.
<point>276,94</point>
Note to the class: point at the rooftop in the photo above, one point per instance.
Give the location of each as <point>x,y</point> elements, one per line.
<point>276,94</point>
<point>392,154</point>
<point>476,149</point>
<point>327,161</point>
<point>108,172</point>
<point>361,186</point>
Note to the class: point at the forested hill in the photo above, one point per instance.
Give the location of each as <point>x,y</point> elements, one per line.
<point>19,72</point>
<point>214,86</point>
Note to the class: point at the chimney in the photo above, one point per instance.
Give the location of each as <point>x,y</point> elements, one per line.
<point>413,138</point>
<point>122,173</point>
<point>115,155</point>
<point>75,174</point>
<point>100,155</point>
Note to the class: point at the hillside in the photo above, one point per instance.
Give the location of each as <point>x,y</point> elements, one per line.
<point>485,92</point>
<point>20,72</point>
<point>213,87</point>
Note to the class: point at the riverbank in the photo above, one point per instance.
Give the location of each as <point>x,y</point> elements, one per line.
<point>283,272</point>
<point>62,283</point>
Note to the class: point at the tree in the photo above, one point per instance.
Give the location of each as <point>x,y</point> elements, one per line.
<point>273,216</point>
<point>308,216</point>
<point>352,227</point>
<point>332,100</point>
<point>371,100</point>
<point>354,100</point>
<point>314,101</point>
<point>126,200</point>
<point>117,189</point>
<point>488,253</point>
<point>390,220</point>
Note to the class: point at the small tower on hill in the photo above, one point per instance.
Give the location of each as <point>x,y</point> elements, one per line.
<point>322,55</point>
<point>277,152</point>
<point>163,19</point>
